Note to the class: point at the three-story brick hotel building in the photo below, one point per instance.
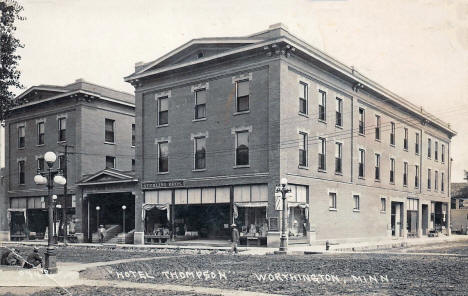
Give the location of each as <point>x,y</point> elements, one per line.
<point>219,121</point>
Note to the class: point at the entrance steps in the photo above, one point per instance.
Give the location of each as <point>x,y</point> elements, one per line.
<point>109,233</point>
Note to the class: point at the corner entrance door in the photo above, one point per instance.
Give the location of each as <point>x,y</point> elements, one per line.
<point>425,217</point>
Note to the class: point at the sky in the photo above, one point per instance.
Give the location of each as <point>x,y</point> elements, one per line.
<point>418,49</point>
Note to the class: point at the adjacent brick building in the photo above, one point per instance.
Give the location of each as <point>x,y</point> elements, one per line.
<point>94,122</point>
<point>220,120</point>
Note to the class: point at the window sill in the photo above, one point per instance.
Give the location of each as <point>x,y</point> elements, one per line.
<point>392,145</point>
<point>322,121</point>
<point>241,166</point>
<point>362,134</point>
<point>339,126</point>
<point>20,148</point>
<point>61,142</point>
<point>429,190</point>
<point>162,125</point>
<point>302,167</point>
<point>241,112</point>
<point>436,160</point>
<point>392,183</point>
<point>406,186</point>
<point>356,211</point>
<point>405,149</point>
<point>40,145</point>
<point>383,212</point>
<point>109,143</point>
<point>163,173</point>
<point>416,153</point>
<point>377,180</point>
<point>332,209</point>
<point>378,140</point>
<point>321,170</point>
<point>198,170</point>
<point>361,177</point>
<point>303,114</point>
<point>133,146</point>
<point>339,173</point>
<point>199,119</point>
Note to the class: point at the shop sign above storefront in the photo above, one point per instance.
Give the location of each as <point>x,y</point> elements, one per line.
<point>162,184</point>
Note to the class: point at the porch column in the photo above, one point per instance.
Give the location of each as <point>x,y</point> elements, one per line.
<point>420,218</point>
<point>405,219</point>
<point>81,216</point>
<point>139,234</point>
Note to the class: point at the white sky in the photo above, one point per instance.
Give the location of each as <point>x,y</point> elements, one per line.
<point>416,48</point>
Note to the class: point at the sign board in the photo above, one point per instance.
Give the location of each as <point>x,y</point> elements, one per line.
<point>162,184</point>
<point>273,224</point>
<point>278,202</point>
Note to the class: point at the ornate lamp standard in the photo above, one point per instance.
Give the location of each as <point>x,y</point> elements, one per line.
<point>97,214</point>
<point>48,178</point>
<point>283,239</point>
<point>54,201</point>
<point>57,234</point>
<point>124,207</point>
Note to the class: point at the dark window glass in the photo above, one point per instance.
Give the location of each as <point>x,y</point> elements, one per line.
<point>21,171</point>
<point>21,136</point>
<point>200,104</point>
<point>40,133</point>
<point>339,112</point>
<point>163,157</point>
<point>200,153</point>
<point>109,131</point>
<point>377,127</point>
<point>416,177</point>
<point>242,149</point>
<point>163,111</point>
<point>392,134</point>
<point>322,163</point>
<point>110,162</point>
<point>62,129</point>
<point>243,93</point>
<point>302,149</point>
<point>338,157</point>
<point>416,144</point>
<point>377,166</point>
<point>362,119</point>
<point>302,97</point>
<point>392,170</point>
<point>133,135</point>
<point>322,105</point>
<point>133,164</point>
<point>405,140</point>
<point>362,159</point>
<point>40,164</point>
<point>405,174</point>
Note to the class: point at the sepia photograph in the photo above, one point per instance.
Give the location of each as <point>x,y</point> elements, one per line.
<point>301,147</point>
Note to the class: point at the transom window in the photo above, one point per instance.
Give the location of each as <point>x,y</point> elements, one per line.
<point>242,148</point>
<point>109,131</point>
<point>303,97</point>
<point>200,104</point>
<point>242,95</point>
<point>200,153</point>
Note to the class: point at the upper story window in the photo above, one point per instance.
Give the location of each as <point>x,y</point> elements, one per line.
<point>62,129</point>
<point>338,157</point>
<point>163,157</point>
<point>356,202</point>
<point>303,97</point>
<point>109,130</point>
<point>442,182</point>
<point>428,179</point>
<point>429,144</point>
<point>436,180</point>
<point>442,154</point>
<point>377,127</point>
<point>133,135</point>
<point>392,134</point>
<point>200,153</point>
<point>377,166</point>
<point>436,151</point>
<point>40,133</point>
<point>163,110</point>
<point>405,140</point>
<point>242,95</point>
<point>133,164</point>
<point>392,171</point>
<point>200,104</point>
<point>383,204</point>
<point>21,172</point>
<point>40,164</point>
<point>416,176</point>
<point>242,148</point>
<point>62,163</point>
<point>362,121</point>
<point>339,112</point>
<point>110,162</point>
<point>362,159</point>
<point>21,136</point>
<point>322,163</point>
<point>332,200</point>
<point>416,144</point>
<point>303,149</point>
<point>322,105</point>
<point>405,174</point>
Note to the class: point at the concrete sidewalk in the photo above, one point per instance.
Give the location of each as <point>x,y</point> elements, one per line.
<point>293,249</point>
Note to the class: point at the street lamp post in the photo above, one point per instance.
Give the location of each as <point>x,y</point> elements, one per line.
<point>283,189</point>
<point>97,214</point>
<point>57,234</point>
<point>52,176</point>
<point>54,200</point>
<point>123,208</point>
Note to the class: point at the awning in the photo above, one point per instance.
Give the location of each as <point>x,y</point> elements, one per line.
<point>297,204</point>
<point>257,204</point>
<point>161,207</point>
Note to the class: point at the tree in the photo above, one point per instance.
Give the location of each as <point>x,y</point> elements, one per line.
<point>9,74</point>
